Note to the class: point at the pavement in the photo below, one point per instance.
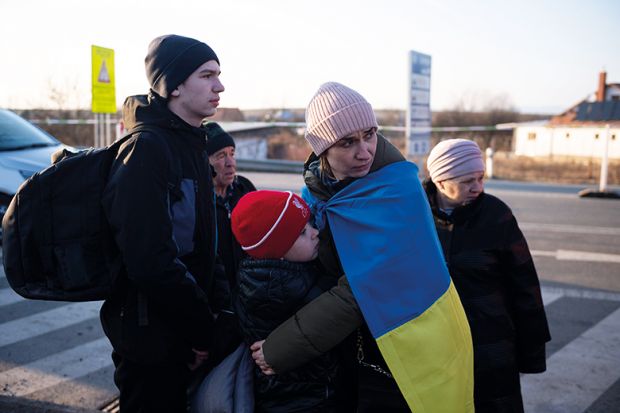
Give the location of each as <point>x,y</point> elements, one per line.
<point>10,404</point>
<point>57,351</point>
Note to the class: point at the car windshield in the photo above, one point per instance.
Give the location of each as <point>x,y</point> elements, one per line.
<point>17,133</point>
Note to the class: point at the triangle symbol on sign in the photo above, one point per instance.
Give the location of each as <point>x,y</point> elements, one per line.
<point>104,76</point>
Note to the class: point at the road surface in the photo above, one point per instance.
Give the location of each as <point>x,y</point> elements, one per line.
<point>56,352</point>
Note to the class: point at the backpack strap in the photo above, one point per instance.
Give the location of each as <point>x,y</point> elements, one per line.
<point>174,187</point>
<point>177,170</point>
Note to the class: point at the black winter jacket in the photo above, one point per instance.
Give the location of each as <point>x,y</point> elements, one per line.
<point>229,252</point>
<point>270,291</point>
<point>164,227</point>
<point>493,272</point>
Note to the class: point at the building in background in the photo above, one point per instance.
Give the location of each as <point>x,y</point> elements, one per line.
<point>580,131</point>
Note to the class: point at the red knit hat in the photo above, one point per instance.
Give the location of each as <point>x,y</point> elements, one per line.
<point>267,223</point>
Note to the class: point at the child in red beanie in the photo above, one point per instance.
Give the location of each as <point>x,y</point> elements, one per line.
<point>278,279</point>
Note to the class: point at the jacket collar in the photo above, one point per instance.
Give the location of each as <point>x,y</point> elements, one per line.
<point>153,110</point>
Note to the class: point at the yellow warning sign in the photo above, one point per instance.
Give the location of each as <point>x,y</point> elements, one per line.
<point>104,88</point>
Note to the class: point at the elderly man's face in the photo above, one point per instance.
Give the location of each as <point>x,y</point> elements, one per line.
<point>225,165</point>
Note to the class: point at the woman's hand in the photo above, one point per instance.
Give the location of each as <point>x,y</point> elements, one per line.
<point>200,356</point>
<point>259,358</point>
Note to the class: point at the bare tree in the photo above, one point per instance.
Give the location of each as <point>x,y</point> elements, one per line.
<point>66,95</point>
<point>478,109</point>
<point>65,100</point>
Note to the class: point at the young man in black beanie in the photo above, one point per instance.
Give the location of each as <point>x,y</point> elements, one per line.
<point>159,203</point>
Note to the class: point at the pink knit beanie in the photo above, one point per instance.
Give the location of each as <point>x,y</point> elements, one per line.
<point>334,112</point>
<point>453,158</point>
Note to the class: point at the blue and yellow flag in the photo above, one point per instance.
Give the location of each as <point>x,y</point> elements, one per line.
<point>386,240</point>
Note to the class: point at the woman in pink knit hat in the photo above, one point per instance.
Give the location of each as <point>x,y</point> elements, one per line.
<point>492,269</point>
<point>341,128</point>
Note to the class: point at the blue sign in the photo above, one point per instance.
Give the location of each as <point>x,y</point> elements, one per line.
<point>419,104</point>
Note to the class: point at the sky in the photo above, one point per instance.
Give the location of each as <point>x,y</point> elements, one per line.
<point>540,56</point>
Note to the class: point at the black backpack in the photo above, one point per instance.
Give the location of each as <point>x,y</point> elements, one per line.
<point>57,243</point>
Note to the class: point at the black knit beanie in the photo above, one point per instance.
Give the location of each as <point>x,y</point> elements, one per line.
<point>171,59</point>
<point>217,138</point>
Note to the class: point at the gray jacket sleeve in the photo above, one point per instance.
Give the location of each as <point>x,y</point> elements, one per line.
<point>315,329</point>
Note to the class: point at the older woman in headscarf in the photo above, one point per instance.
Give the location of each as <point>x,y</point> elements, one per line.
<point>492,269</point>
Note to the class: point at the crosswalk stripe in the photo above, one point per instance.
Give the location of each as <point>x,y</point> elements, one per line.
<point>581,293</point>
<point>40,323</point>
<point>593,357</point>
<point>57,368</point>
<point>579,373</point>
<point>572,229</point>
<point>549,296</point>
<point>569,255</point>
<point>587,256</point>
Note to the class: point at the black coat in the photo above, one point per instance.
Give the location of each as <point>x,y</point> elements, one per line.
<point>270,291</point>
<point>159,308</point>
<point>493,272</point>
<point>229,252</point>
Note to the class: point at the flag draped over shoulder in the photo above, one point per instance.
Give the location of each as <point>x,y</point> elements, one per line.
<point>387,244</point>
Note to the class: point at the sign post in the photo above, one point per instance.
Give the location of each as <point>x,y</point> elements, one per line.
<point>602,192</point>
<point>604,162</point>
<point>419,105</point>
<point>103,92</point>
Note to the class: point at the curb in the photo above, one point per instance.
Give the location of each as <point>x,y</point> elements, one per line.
<point>593,193</point>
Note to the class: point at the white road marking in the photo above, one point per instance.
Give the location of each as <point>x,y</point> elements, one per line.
<point>579,293</point>
<point>594,357</point>
<point>56,368</point>
<point>44,322</point>
<point>573,229</point>
<point>504,193</point>
<point>8,296</point>
<point>587,256</point>
<point>541,253</point>
<point>577,374</point>
<point>550,296</point>
<point>570,255</point>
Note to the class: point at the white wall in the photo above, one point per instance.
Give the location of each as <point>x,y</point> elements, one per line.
<point>581,141</point>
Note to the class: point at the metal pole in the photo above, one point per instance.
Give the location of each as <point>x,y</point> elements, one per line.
<point>489,162</point>
<point>96,127</point>
<point>408,111</point>
<point>604,161</point>
<point>108,134</point>
<point>101,131</point>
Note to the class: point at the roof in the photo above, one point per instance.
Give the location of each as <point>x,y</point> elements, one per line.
<point>569,114</point>
<point>598,111</point>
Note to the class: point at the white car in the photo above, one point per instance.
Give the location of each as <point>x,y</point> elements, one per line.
<point>24,150</point>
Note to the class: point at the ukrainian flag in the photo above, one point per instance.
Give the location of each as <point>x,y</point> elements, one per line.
<point>386,240</point>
